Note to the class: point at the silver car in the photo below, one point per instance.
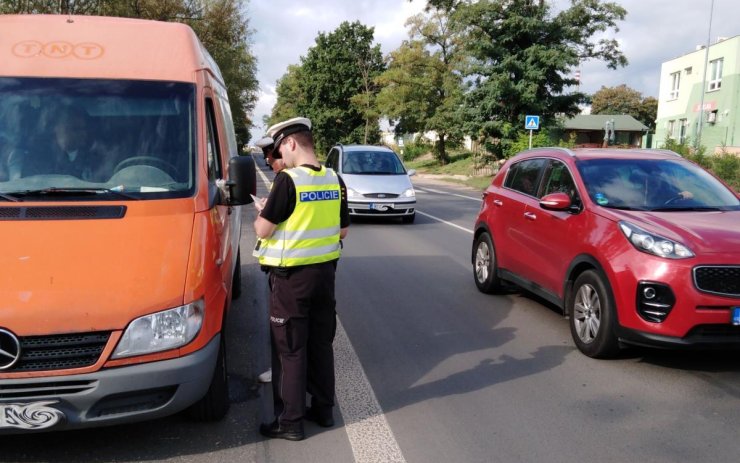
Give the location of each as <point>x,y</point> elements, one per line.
<point>377,183</point>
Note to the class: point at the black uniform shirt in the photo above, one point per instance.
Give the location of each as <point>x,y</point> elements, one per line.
<point>281,203</point>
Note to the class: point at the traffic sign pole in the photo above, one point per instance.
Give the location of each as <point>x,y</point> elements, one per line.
<point>530,139</point>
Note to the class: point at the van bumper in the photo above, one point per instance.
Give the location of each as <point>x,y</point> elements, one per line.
<point>111,396</point>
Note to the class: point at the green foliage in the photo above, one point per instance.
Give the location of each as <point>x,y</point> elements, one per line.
<point>220,24</point>
<point>422,87</point>
<point>522,57</point>
<point>540,138</point>
<point>624,100</point>
<point>413,150</point>
<point>342,65</point>
<point>289,96</point>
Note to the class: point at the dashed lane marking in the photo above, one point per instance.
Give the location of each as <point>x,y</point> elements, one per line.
<point>432,190</point>
<point>444,221</point>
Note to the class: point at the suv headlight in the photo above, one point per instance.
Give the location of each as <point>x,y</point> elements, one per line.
<point>409,193</point>
<point>654,244</point>
<point>161,331</point>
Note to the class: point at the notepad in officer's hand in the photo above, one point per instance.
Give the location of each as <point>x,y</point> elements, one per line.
<point>259,203</point>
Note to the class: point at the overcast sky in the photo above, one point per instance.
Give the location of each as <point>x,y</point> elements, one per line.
<point>654,31</point>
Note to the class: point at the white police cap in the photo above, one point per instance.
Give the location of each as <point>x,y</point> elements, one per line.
<point>264,142</point>
<point>282,129</point>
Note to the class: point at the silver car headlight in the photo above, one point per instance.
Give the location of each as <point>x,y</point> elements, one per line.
<point>352,193</point>
<point>161,331</point>
<point>409,193</point>
<point>654,244</point>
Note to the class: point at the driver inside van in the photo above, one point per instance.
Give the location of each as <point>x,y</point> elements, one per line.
<point>68,153</point>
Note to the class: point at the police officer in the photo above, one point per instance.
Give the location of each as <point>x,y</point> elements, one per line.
<point>300,228</point>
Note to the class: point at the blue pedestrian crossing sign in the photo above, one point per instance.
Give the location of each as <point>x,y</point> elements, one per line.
<point>532,122</point>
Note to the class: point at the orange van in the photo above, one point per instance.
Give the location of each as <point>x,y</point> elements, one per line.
<point>119,185</point>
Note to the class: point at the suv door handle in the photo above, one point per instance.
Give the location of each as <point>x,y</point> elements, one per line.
<point>498,202</point>
<point>530,216</point>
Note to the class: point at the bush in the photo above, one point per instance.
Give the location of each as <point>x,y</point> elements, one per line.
<point>727,167</point>
<point>413,150</point>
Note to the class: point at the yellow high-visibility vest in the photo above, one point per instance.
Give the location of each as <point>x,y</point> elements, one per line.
<point>311,233</point>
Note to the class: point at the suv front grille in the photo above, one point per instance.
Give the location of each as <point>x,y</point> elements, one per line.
<point>722,280</point>
<point>58,352</point>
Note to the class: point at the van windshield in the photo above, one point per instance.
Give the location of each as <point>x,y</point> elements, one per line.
<point>104,139</point>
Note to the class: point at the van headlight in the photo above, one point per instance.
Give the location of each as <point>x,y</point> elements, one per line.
<point>161,331</point>
<point>654,244</point>
<point>409,193</point>
<point>352,193</point>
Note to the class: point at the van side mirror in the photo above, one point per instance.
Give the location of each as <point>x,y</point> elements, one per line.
<point>412,172</point>
<point>242,180</point>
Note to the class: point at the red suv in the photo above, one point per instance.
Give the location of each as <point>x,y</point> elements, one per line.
<point>636,246</point>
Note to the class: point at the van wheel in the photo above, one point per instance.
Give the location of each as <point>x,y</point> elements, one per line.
<point>485,269</point>
<point>236,283</point>
<point>214,405</point>
<point>592,316</point>
<point>408,218</point>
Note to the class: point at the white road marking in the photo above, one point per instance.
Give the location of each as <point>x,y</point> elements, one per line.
<point>432,190</point>
<point>444,221</point>
<point>369,433</point>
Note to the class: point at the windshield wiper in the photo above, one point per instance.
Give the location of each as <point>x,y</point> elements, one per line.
<point>686,209</point>
<point>624,208</point>
<point>56,191</point>
<point>10,198</point>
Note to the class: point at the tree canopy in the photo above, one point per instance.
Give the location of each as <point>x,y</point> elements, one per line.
<point>624,100</point>
<point>221,25</point>
<point>522,56</point>
<point>422,87</point>
<point>335,87</point>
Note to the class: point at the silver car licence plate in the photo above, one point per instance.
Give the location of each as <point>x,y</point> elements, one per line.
<point>30,416</point>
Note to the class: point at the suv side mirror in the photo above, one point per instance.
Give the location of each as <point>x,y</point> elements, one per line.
<point>242,180</point>
<point>555,202</point>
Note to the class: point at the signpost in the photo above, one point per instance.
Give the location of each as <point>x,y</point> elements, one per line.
<point>531,123</point>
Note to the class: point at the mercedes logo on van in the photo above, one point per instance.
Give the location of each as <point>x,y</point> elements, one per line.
<point>10,349</point>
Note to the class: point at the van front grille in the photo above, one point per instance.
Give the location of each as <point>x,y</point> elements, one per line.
<point>58,352</point>
<point>62,212</point>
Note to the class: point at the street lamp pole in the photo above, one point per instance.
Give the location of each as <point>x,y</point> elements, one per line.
<point>697,143</point>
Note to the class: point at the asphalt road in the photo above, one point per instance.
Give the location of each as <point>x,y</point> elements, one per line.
<point>431,370</point>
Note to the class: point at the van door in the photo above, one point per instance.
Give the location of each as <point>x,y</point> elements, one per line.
<point>219,213</point>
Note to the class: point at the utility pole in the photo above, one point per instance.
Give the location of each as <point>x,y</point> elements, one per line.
<point>697,142</point>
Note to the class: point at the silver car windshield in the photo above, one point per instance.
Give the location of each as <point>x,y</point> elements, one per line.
<point>654,184</point>
<point>372,163</point>
<point>84,139</point>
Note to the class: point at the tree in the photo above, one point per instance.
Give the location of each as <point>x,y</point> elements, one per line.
<point>289,96</point>
<point>624,100</point>
<point>422,87</point>
<point>220,24</point>
<point>342,65</point>
<point>522,57</point>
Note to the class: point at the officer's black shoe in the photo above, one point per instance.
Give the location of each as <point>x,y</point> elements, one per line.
<point>323,418</point>
<point>275,431</point>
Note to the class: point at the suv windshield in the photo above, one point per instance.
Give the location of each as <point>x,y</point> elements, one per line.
<point>372,163</point>
<point>84,139</point>
<point>654,184</point>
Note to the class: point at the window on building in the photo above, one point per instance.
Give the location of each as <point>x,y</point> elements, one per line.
<point>715,74</point>
<point>670,129</point>
<point>675,82</point>
<point>682,126</point>
<point>688,70</point>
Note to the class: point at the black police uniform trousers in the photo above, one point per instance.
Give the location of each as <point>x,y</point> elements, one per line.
<point>302,328</point>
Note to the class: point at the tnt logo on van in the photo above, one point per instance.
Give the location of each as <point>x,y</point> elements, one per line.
<point>327,195</point>
<point>58,49</point>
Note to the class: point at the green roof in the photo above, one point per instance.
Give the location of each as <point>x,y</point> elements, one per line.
<point>622,123</point>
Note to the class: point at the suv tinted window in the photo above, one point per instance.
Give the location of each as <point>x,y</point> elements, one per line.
<point>558,179</point>
<point>524,176</point>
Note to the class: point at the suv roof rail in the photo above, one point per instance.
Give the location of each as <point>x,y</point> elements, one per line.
<point>663,151</point>
<point>550,148</point>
